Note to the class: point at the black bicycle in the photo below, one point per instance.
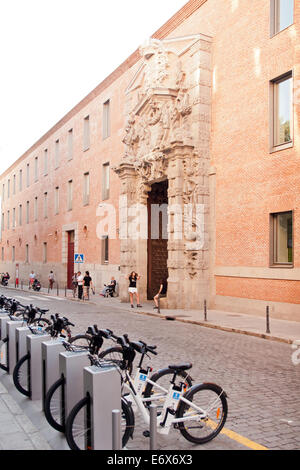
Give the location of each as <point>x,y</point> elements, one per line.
<point>57,327</point>
<point>54,406</point>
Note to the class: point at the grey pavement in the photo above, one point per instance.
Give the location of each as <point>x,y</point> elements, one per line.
<point>17,432</point>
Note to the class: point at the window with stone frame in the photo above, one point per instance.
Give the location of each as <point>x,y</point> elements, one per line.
<point>281,243</point>
<point>282,112</point>
<point>282,15</point>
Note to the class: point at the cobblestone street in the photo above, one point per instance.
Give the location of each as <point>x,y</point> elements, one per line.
<point>259,377</point>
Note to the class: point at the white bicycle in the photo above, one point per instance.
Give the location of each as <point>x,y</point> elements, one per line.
<point>199,411</point>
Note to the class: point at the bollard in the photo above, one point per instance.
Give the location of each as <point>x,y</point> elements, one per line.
<point>267,320</point>
<point>153,427</point>
<point>34,348</point>
<point>65,291</point>
<point>21,341</point>
<point>205,311</point>
<point>11,334</point>
<point>158,301</point>
<point>71,365</point>
<point>116,430</point>
<point>50,364</point>
<point>103,385</point>
<point>57,289</point>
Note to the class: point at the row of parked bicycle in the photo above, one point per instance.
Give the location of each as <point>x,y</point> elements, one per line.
<point>198,411</point>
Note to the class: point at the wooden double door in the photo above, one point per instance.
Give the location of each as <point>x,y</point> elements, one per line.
<point>157,237</point>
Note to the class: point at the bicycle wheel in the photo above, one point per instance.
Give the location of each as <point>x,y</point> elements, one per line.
<point>78,425</point>
<point>114,354</point>
<point>82,341</point>
<point>202,426</point>
<point>21,375</point>
<point>3,354</point>
<point>55,405</point>
<point>163,379</point>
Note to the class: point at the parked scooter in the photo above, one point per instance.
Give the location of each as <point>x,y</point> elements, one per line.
<point>5,279</point>
<point>36,285</point>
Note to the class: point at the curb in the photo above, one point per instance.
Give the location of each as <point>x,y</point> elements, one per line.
<point>219,327</point>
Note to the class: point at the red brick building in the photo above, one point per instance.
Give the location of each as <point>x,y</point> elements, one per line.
<point>229,72</point>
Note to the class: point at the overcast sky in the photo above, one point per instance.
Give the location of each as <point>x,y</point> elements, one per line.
<point>54,52</point>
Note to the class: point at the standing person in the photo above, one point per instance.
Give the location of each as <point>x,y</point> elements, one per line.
<point>31,279</point>
<point>80,284</point>
<point>87,283</point>
<point>74,284</point>
<point>133,277</point>
<point>161,293</point>
<point>51,280</point>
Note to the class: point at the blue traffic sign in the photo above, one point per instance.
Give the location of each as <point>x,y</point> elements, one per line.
<point>78,258</point>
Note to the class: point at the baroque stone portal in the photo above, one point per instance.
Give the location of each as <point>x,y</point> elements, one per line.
<point>166,138</point>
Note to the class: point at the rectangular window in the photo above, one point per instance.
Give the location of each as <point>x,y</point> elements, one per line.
<point>45,205</point>
<point>27,254</point>
<point>20,214</point>
<point>8,220</point>
<point>86,133</point>
<point>14,218</point>
<point>56,200</point>
<point>282,15</point>
<point>45,162</point>
<point>45,252</point>
<point>3,192</point>
<point>281,239</point>
<point>105,250</point>
<point>8,188</point>
<point>27,212</point>
<point>20,180</point>
<point>282,112</point>
<point>70,195</point>
<point>36,169</point>
<point>2,222</point>
<point>35,209</point>
<point>27,175</point>
<point>106,119</point>
<point>86,189</point>
<point>13,254</point>
<point>2,254</point>
<point>70,144</point>
<point>57,153</point>
<point>105,181</point>
<point>14,185</point>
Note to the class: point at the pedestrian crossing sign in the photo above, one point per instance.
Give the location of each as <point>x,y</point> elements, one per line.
<point>78,258</point>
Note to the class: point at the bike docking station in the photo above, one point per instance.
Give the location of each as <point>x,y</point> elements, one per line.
<point>103,387</point>
<point>50,364</point>
<point>4,318</point>
<point>71,365</point>
<point>21,341</point>
<point>11,328</point>
<point>34,344</point>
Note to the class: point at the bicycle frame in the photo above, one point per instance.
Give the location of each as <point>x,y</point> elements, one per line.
<point>172,399</point>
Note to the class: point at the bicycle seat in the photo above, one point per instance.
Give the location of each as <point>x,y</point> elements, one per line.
<point>185,366</point>
<point>43,310</point>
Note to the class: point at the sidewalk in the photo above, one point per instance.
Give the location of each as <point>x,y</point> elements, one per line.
<point>280,330</point>
<point>16,430</point>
